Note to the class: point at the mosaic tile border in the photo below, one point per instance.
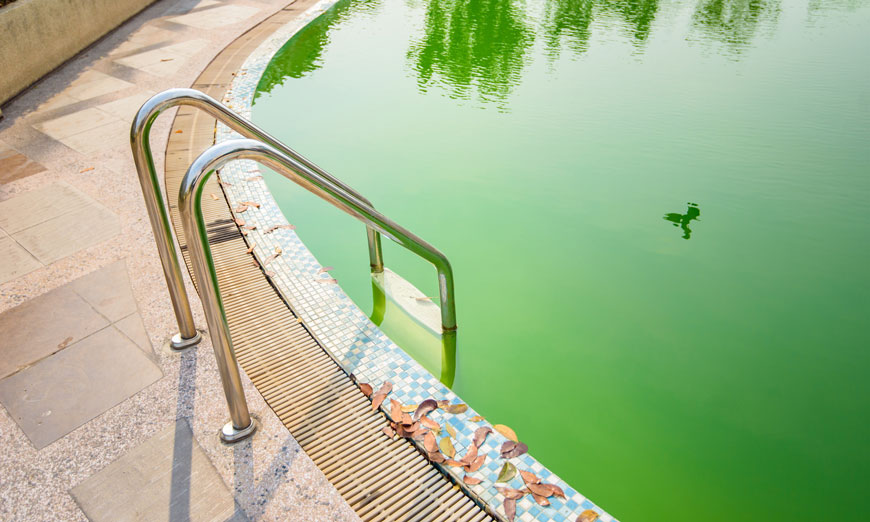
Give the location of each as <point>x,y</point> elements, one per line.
<point>343,329</point>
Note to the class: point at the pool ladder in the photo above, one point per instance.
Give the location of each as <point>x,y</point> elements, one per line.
<point>261,147</point>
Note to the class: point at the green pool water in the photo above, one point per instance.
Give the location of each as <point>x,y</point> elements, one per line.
<point>658,214</point>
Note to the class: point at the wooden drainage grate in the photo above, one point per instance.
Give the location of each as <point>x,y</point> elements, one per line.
<point>380,479</point>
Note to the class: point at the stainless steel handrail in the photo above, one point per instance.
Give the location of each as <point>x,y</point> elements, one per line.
<point>140,143</point>
<point>190,204</point>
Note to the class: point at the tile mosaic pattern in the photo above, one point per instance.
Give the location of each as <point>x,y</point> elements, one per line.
<point>344,330</point>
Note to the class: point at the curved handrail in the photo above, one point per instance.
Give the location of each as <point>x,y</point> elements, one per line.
<point>190,204</point>
<point>140,143</point>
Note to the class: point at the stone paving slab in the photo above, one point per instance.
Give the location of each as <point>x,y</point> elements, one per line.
<point>69,233</point>
<point>71,387</point>
<point>57,199</point>
<point>14,259</point>
<point>14,165</point>
<point>44,325</point>
<point>167,478</point>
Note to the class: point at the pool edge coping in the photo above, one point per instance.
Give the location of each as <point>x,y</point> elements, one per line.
<point>358,345</point>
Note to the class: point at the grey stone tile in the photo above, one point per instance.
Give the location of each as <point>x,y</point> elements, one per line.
<point>42,326</point>
<point>40,205</point>
<point>65,235</point>
<point>107,290</point>
<point>132,327</point>
<point>14,260</point>
<point>68,389</point>
<point>169,477</point>
<point>14,165</point>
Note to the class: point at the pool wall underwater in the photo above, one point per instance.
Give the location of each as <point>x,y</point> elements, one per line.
<point>349,336</point>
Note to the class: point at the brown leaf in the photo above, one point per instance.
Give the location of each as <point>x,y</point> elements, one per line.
<point>454,463</point>
<point>366,388</point>
<point>508,471</point>
<point>540,489</point>
<point>429,423</point>
<point>269,273</point>
<point>395,409</point>
<point>251,227</point>
<point>541,500</point>
<point>518,449</point>
<point>329,281</point>
<point>254,178</point>
<point>587,516</point>
<point>511,493</point>
<point>325,269</point>
<point>510,508</point>
<point>377,399</point>
<point>250,249</point>
<point>389,432</point>
<point>443,404</point>
<point>410,430</point>
<point>435,456</point>
<point>386,388</point>
<point>470,455</point>
<point>447,447</point>
<point>456,408</point>
<point>225,183</point>
<point>406,419</point>
<point>86,169</point>
<point>529,477</point>
<point>276,227</point>
<point>425,407</point>
<point>480,435</point>
<point>554,490</point>
<point>450,429</point>
<point>240,222</point>
<point>429,442</point>
<point>214,197</point>
<point>507,432</point>
<point>409,408</point>
<point>63,343</point>
<point>251,204</point>
<point>478,462</point>
<point>476,418</point>
<point>420,434</point>
<point>241,208</point>
<point>471,481</point>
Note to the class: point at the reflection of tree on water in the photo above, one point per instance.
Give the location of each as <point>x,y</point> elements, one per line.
<point>638,14</point>
<point>683,220</point>
<point>303,53</point>
<point>567,20</point>
<point>734,22</point>
<point>472,44</point>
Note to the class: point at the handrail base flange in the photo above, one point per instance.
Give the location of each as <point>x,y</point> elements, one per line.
<point>180,343</point>
<point>230,434</point>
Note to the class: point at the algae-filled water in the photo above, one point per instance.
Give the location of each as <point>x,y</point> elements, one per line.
<point>658,214</point>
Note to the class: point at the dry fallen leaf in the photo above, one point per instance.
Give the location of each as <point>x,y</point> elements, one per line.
<point>587,516</point>
<point>409,408</point>
<point>450,429</point>
<point>241,208</point>
<point>254,178</point>
<point>250,249</point>
<point>405,419</point>
<point>251,227</point>
<point>325,269</point>
<point>529,477</point>
<point>511,493</point>
<point>366,388</point>
<point>86,169</point>
<point>395,409</point>
<point>429,442</point>
<point>510,508</point>
<point>425,407</point>
<point>251,204</point>
<point>541,500</point>
<point>476,418</point>
<point>269,273</point>
<point>514,450</point>
<point>454,463</point>
<point>435,456</point>
<point>276,227</point>
<point>478,462</point>
<point>386,388</point>
<point>389,432</point>
<point>169,60</point>
<point>540,489</point>
<point>429,423</point>
<point>480,435</point>
<point>377,399</point>
<point>471,481</point>
<point>443,404</point>
<point>470,455</point>
<point>553,490</point>
<point>507,432</point>
<point>508,471</point>
<point>447,447</point>
<point>63,343</point>
<point>456,408</point>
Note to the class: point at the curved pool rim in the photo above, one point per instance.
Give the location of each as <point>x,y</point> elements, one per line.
<point>344,330</point>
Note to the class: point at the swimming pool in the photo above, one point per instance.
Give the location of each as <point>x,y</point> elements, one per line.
<point>658,217</point>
